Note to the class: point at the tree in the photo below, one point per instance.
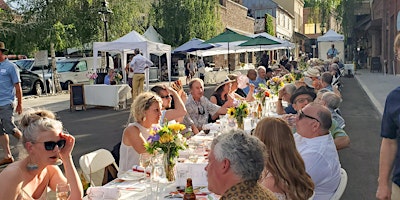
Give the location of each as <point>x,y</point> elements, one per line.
<point>180,20</point>
<point>322,11</point>
<point>269,24</point>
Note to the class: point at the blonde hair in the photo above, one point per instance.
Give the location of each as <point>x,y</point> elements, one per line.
<point>34,121</point>
<point>284,161</point>
<point>143,103</point>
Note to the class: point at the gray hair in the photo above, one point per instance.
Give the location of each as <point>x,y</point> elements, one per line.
<point>290,88</point>
<point>332,100</point>
<point>246,153</point>
<point>261,67</point>
<point>33,122</point>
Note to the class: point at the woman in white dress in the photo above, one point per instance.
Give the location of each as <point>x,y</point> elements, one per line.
<point>146,113</point>
<point>284,172</point>
<point>45,144</point>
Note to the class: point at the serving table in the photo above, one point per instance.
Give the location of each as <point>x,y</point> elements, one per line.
<point>107,95</point>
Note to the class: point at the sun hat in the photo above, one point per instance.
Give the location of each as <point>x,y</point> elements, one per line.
<point>3,47</point>
<point>275,67</point>
<point>312,72</point>
<point>225,82</point>
<point>302,90</point>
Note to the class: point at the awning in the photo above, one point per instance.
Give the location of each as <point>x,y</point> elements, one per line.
<point>300,36</point>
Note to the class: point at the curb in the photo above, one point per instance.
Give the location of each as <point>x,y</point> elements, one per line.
<point>375,101</point>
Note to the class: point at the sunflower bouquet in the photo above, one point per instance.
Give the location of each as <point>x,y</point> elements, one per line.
<point>288,78</point>
<point>239,112</point>
<point>170,140</point>
<point>275,84</point>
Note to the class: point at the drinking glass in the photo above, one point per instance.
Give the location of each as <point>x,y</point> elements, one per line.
<point>63,191</point>
<point>144,162</point>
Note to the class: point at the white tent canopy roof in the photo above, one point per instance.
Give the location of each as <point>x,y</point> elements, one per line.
<point>127,44</point>
<point>152,35</point>
<point>330,36</point>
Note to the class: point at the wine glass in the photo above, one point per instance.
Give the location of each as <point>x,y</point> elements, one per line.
<point>63,191</point>
<point>144,162</point>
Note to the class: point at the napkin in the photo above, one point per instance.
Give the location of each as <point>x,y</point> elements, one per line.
<point>100,193</point>
<point>137,168</point>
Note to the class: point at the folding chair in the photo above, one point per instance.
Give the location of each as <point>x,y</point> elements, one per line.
<point>94,164</point>
<point>342,185</point>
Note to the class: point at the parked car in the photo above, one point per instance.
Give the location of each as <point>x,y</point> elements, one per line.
<point>32,83</point>
<point>75,70</point>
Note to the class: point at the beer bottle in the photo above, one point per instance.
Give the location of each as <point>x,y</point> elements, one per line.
<point>259,111</point>
<point>189,193</point>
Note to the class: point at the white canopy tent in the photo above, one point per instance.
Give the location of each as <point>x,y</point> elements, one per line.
<point>325,42</point>
<point>127,44</point>
<point>152,35</point>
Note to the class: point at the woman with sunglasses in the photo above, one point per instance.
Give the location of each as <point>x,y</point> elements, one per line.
<point>45,143</point>
<point>146,113</point>
<point>284,171</point>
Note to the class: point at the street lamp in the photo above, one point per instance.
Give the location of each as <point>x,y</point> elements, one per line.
<point>105,10</point>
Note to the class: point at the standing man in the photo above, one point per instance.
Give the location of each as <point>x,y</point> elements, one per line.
<point>332,52</point>
<point>390,151</point>
<point>138,65</point>
<point>10,86</point>
<point>235,163</point>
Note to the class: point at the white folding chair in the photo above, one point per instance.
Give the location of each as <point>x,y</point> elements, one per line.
<point>93,165</point>
<point>342,185</point>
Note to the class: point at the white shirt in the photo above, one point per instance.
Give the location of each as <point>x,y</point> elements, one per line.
<point>322,163</point>
<point>139,64</point>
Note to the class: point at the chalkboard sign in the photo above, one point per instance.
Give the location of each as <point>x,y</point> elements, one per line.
<point>77,96</point>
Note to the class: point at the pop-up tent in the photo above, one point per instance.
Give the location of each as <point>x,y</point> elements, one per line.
<point>325,42</point>
<point>127,43</point>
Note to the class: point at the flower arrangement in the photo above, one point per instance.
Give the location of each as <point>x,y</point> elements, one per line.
<point>275,84</point>
<point>239,112</point>
<point>288,78</point>
<point>117,77</point>
<point>169,139</point>
<point>297,74</point>
<point>91,75</point>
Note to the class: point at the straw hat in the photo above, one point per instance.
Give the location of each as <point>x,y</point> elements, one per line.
<point>312,72</point>
<point>275,66</point>
<point>223,84</point>
<point>3,47</point>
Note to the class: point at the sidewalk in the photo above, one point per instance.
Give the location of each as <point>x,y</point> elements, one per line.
<point>377,86</point>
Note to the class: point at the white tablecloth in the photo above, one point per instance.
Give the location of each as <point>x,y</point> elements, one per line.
<point>107,95</point>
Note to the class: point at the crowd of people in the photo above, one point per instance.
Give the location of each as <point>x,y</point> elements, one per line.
<point>291,157</point>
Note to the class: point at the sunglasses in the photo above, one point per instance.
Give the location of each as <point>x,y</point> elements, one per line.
<point>166,97</point>
<point>50,145</point>
<point>302,115</point>
<point>201,111</point>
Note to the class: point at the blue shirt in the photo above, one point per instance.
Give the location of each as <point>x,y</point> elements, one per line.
<point>107,79</point>
<point>9,76</point>
<point>332,52</point>
<point>260,80</point>
<point>390,127</point>
<point>247,89</point>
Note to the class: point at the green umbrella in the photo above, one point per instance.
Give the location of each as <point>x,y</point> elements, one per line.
<point>259,40</point>
<point>228,36</point>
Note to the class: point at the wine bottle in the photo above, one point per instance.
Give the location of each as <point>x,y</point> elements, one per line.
<point>259,111</point>
<point>189,193</point>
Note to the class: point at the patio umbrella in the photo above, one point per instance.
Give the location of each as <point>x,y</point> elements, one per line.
<point>193,45</point>
<point>226,37</point>
<point>259,41</point>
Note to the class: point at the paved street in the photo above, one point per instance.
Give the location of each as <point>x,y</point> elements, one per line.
<point>102,128</point>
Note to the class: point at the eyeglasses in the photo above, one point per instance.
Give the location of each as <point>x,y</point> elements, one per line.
<point>302,115</point>
<point>50,145</point>
<point>166,97</point>
<point>201,110</point>
<point>302,100</point>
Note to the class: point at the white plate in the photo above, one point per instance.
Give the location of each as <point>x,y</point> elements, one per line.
<point>131,176</point>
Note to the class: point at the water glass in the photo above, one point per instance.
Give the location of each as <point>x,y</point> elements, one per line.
<point>63,190</point>
<point>145,162</point>
<point>96,195</point>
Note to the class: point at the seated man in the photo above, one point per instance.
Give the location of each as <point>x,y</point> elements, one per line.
<point>252,75</point>
<point>199,107</point>
<point>326,82</point>
<point>236,161</point>
<point>317,148</point>
<point>284,94</point>
<point>109,78</point>
<point>332,102</point>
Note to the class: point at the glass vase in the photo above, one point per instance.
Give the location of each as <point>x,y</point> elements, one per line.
<point>240,122</point>
<point>91,81</point>
<point>169,166</point>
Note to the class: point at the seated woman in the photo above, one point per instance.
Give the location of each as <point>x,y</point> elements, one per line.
<point>167,94</point>
<point>45,143</point>
<point>221,94</point>
<point>109,78</point>
<point>284,172</point>
<point>146,113</point>
<point>237,92</point>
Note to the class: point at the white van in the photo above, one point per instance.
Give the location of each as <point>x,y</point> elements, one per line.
<point>75,70</point>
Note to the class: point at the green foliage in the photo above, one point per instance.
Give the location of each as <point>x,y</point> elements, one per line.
<point>322,11</point>
<point>269,24</point>
<point>180,20</point>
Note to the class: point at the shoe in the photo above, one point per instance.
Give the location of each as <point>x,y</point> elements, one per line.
<point>6,161</point>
